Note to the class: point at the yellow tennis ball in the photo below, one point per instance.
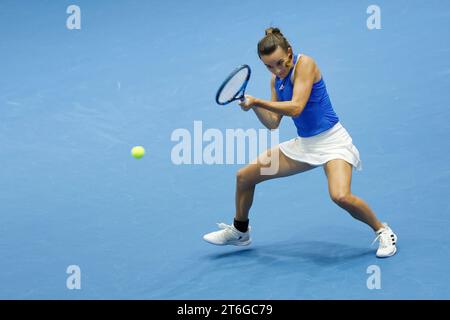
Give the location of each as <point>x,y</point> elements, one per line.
<point>138,152</point>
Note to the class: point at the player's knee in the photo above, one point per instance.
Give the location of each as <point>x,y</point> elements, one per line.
<point>244,178</point>
<point>341,198</point>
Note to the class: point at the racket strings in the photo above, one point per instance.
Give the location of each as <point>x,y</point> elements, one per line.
<point>234,85</point>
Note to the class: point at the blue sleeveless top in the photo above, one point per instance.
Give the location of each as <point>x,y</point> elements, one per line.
<point>318,114</point>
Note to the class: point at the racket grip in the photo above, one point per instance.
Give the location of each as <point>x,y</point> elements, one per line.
<point>243,99</point>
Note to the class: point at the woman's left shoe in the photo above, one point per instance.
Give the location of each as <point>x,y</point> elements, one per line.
<point>387,239</point>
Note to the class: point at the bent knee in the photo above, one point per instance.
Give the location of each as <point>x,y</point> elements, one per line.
<point>246,177</point>
<point>341,197</point>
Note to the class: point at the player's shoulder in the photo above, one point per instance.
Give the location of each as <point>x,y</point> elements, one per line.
<point>306,60</point>
<point>306,67</point>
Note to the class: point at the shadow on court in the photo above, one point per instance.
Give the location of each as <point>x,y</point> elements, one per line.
<point>300,269</point>
<point>318,252</point>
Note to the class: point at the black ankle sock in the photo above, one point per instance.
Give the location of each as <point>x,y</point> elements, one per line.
<point>242,226</point>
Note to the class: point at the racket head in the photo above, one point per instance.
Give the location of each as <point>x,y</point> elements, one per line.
<point>233,87</point>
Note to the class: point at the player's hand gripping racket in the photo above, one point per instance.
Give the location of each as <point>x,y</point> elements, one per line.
<point>233,88</point>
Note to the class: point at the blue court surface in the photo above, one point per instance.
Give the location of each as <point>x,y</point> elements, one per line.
<point>73,102</point>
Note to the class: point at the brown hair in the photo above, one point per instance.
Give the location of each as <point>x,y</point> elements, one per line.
<point>273,39</point>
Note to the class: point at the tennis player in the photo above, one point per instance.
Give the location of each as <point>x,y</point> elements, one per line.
<point>299,92</point>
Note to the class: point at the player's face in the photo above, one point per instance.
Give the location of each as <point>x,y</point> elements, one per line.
<point>278,62</point>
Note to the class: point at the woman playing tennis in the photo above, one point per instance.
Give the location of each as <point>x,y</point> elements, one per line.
<point>299,92</point>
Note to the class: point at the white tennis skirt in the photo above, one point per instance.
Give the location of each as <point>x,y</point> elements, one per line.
<point>334,143</point>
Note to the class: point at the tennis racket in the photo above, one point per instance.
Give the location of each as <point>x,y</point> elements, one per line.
<point>233,88</point>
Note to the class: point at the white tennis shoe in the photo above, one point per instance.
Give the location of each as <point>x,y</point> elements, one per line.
<point>387,239</point>
<point>229,235</point>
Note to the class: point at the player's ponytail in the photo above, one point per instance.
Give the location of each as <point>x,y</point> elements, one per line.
<point>273,38</point>
<point>273,30</point>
